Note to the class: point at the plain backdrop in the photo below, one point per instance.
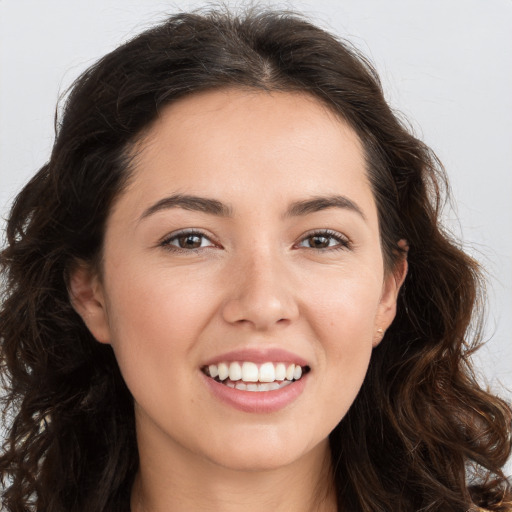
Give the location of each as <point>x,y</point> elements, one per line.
<point>445,64</point>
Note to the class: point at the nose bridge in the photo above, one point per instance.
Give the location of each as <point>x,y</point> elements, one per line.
<point>262,293</point>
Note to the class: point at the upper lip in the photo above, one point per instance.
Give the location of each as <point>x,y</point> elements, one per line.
<point>260,355</point>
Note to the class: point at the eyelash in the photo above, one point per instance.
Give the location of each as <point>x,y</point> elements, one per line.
<point>166,242</point>
<point>343,243</point>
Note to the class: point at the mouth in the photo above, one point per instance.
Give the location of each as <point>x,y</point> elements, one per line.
<point>251,376</point>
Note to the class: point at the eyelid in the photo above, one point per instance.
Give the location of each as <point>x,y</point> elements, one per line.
<point>165,242</point>
<point>344,242</point>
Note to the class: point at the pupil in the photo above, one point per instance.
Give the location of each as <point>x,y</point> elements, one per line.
<point>190,241</point>
<point>319,241</point>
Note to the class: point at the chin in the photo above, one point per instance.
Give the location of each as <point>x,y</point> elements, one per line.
<point>254,462</point>
<point>251,453</point>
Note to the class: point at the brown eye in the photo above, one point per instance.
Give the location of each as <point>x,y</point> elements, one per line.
<point>325,240</point>
<point>319,242</point>
<point>187,241</point>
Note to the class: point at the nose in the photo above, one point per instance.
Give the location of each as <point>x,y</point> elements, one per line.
<point>262,294</point>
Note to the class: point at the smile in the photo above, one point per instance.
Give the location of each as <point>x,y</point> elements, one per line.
<point>249,376</point>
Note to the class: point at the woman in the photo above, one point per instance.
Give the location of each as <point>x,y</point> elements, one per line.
<point>228,289</point>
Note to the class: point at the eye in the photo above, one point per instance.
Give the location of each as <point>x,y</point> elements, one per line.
<point>187,241</point>
<point>325,240</point>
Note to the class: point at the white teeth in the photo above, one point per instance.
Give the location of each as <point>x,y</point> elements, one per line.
<point>250,372</point>
<point>214,371</point>
<point>280,371</point>
<point>259,386</point>
<point>223,371</point>
<point>235,371</point>
<point>267,373</point>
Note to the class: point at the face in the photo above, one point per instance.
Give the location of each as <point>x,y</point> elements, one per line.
<point>247,242</point>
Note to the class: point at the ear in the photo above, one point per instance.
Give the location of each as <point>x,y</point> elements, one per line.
<point>393,281</point>
<point>87,298</point>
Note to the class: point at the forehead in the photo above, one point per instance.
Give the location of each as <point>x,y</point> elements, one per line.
<point>249,145</point>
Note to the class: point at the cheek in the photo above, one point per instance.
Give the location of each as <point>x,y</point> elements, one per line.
<point>156,318</point>
<point>166,301</point>
<point>343,318</point>
<point>344,306</point>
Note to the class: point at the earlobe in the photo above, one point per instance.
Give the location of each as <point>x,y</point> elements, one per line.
<point>393,281</point>
<point>87,298</point>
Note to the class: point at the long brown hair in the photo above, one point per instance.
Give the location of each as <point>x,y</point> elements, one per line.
<point>421,434</point>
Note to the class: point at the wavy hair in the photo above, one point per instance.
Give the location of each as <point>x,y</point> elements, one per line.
<point>421,435</point>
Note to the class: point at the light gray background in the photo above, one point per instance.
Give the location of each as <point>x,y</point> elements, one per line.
<point>445,64</point>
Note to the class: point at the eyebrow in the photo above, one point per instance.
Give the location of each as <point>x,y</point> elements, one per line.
<point>217,208</point>
<point>189,202</point>
<point>319,203</point>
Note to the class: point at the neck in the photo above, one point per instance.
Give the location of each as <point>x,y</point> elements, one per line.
<point>188,483</point>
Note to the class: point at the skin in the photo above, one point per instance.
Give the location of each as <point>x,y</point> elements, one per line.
<point>257,280</point>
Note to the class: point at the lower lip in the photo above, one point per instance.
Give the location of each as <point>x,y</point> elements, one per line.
<point>257,401</point>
